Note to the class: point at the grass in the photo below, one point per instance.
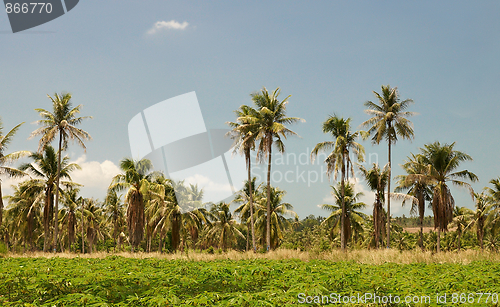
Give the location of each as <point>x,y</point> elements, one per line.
<point>375,257</point>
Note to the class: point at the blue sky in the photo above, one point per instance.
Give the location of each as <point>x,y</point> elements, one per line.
<point>329,56</point>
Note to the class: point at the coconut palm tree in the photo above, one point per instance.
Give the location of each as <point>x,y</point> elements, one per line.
<point>246,197</point>
<point>270,120</point>
<point>93,222</point>
<point>244,134</point>
<point>7,159</point>
<point>417,186</point>
<point>462,217</point>
<point>45,169</point>
<point>115,211</point>
<point>278,217</point>
<point>480,216</point>
<point>71,201</point>
<point>441,163</point>
<point>223,231</point>
<point>138,179</point>
<point>60,123</point>
<point>377,179</point>
<point>344,142</point>
<point>389,122</point>
<point>494,193</point>
<point>25,211</point>
<point>354,219</point>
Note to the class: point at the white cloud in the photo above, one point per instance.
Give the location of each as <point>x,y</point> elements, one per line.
<point>167,25</point>
<point>94,176</point>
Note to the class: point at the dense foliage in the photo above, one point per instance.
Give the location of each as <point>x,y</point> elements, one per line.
<point>116,281</point>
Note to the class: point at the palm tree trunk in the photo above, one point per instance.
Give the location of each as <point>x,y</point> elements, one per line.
<point>439,240</point>
<point>459,239</point>
<point>1,206</point>
<point>249,165</point>
<point>421,208</point>
<point>56,211</point>
<point>83,229</point>
<point>342,217</point>
<point>389,197</point>
<point>268,217</point>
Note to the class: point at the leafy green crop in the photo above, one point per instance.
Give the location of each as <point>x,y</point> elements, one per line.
<point>117,281</point>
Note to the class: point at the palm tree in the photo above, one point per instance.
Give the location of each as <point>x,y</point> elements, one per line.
<point>344,142</point>
<point>60,122</point>
<point>93,222</point>
<point>70,207</point>
<point>416,186</point>
<point>115,211</point>
<point>377,179</point>
<point>388,122</point>
<point>6,159</point>
<point>138,180</point>
<point>25,211</point>
<point>354,219</point>
<point>278,220</point>
<point>480,216</point>
<point>494,193</point>
<point>271,120</point>
<point>244,134</point>
<point>441,163</point>
<point>462,220</point>
<point>45,168</point>
<point>246,197</point>
<point>223,231</point>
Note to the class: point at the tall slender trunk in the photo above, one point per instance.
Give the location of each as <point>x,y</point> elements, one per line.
<point>56,211</point>
<point>268,217</point>
<point>439,240</point>
<point>252,224</point>
<point>342,217</point>
<point>389,196</point>
<point>459,239</point>
<point>83,228</point>
<point>421,208</point>
<point>47,217</point>
<point>1,205</point>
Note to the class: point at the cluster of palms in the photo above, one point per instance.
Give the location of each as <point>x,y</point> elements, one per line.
<point>150,215</point>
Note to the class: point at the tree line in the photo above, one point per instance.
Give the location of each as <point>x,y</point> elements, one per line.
<point>141,210</point>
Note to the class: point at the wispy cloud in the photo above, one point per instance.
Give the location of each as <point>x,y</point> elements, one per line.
<point>167,25</point>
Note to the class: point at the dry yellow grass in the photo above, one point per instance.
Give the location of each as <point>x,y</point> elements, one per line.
<point>359,256</point>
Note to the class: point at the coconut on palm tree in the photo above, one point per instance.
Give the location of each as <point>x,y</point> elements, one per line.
<point>7,159</point>
<point>377,179</point>
<point>60,124</point>
<point>344,142</point>
<point>389,121</point>
<point>244,134</point>
<point>271,121</point>
<point>45,169</point>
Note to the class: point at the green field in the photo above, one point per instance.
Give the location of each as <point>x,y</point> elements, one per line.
<point>120,281</point>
